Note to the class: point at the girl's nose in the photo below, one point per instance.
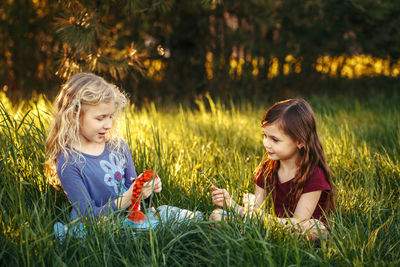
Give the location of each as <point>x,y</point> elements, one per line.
<point>267,143</point>
<point>108,124</point>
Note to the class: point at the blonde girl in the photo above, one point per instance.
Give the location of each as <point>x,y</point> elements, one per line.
<point>294,175</point>
<point>94,166</point>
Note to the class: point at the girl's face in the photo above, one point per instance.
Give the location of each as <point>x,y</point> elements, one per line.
<point>95,121</point>
<point>278,144</point>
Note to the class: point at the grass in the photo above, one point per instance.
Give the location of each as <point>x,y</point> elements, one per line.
<point>361,141</point>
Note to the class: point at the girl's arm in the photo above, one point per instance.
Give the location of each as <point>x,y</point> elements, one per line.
<point>304,209</point>
<point>306,205</point>
<point>259,197</point>
<point>79,195</point>
<point>124,201</point>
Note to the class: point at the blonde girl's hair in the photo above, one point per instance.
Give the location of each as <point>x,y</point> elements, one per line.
<point>296,118</point>
<point>82,88</point>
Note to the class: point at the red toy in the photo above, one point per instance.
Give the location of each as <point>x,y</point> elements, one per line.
<point>135,214</point>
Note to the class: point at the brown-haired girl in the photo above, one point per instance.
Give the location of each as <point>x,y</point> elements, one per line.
<point>294,175</point>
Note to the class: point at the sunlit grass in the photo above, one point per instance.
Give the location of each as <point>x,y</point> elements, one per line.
<point>361,142</point>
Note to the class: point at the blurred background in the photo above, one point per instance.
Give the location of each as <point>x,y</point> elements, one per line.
<point>174,51</point>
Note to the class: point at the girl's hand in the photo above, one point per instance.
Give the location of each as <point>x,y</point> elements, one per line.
<point>220,197</point>
<point>249,202</point>
<point>157,185</point>
<point>151,186</point>
<point>124,201</point>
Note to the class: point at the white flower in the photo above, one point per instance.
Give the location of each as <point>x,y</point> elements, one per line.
<point>114,173</point>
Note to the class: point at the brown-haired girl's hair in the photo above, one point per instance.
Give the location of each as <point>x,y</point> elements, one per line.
<point>296,118</point>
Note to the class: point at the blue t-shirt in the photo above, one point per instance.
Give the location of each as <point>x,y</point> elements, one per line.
<point>92,183</point>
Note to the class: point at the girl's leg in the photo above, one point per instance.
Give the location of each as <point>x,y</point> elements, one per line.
<point>175,214</point>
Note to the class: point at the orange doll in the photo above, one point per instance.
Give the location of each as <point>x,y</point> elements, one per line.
<point>136,215</point>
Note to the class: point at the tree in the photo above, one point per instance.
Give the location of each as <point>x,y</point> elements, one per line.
<point>225,47</point>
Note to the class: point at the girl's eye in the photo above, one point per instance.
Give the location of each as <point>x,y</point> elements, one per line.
<point>275,140</point>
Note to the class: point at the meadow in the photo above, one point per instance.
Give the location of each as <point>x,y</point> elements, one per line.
<point>361,139</point>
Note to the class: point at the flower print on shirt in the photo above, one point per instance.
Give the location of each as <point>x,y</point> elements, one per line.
<point>114,173</point>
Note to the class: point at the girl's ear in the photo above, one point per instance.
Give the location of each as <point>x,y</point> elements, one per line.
<point>299,145</point>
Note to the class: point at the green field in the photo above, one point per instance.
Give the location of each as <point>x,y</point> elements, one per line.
<point>361,140</point>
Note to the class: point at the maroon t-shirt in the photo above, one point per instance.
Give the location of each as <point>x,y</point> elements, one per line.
<point>316,182</point>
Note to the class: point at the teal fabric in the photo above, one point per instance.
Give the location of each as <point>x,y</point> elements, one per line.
<point>163,215</point>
